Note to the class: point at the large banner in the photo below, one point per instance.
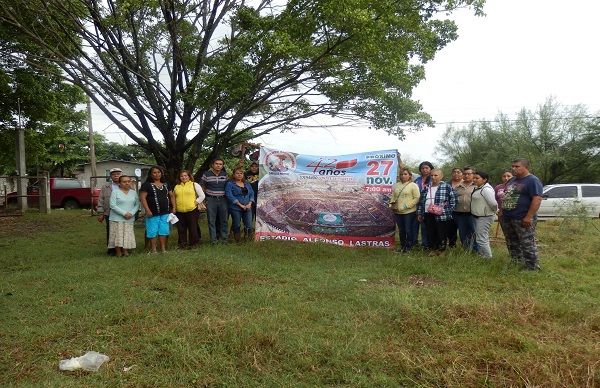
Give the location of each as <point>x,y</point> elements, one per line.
<point>332,199</point>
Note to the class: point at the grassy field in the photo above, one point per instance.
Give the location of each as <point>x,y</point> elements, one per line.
<point>282,314</point>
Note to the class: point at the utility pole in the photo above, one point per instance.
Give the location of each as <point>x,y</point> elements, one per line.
<point>20,163</point>
<point>92,146</point>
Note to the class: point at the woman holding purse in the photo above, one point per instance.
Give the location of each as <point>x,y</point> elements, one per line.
<point>189,199</point>
<point>435,207</point>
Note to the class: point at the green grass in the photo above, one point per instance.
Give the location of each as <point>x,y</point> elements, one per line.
<point>284,314</point>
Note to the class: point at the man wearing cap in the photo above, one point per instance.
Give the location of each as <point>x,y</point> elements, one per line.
<point>104,201</point>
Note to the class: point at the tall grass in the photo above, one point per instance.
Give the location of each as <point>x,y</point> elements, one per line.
<point>284,314</point>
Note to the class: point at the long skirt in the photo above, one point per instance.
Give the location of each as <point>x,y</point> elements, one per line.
<point>121,235</point>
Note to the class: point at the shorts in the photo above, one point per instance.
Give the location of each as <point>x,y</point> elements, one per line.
<point>157,226</point>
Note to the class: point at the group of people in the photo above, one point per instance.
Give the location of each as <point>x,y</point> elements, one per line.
<point>464,208</point>
<point>218,194</point>
<point>233,196</point>
<point>442,212</point>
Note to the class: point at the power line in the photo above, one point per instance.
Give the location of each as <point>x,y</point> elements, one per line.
<point>514,120</point>
<point>442,122</point>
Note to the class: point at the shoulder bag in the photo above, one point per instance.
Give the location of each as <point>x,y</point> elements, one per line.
<point>436,210</point>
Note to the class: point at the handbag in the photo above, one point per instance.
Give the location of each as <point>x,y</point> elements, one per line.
<point>199,204</point>
<point>391,204</point>
<point>436,210</point>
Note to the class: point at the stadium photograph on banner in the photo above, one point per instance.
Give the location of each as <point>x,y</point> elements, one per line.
<point>339,200</point>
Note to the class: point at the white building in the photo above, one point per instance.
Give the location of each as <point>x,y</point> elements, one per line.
<point>133,169</point>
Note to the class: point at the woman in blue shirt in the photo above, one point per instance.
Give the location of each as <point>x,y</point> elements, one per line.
<point>124,203</point>
<point>240,197</point>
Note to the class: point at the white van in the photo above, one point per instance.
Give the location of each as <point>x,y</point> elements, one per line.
<point>570,199</point>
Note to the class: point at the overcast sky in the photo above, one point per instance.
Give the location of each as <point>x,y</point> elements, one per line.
<point>520,53</point>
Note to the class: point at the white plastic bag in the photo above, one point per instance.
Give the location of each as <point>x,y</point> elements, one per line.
<point>91,362</point>
<point>172,219</point>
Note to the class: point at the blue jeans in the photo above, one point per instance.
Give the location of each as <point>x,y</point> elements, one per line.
<point>406,228</point>
<point>466,230</point>
<point>214,206</point>
<point>238,215</point>
<point>421,226</point>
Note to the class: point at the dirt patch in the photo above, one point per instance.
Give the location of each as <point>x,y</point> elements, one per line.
<point>423,281</point>
<point>21,226</point>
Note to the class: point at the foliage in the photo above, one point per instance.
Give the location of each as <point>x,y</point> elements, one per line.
<point>411,163</point>
<point>179,77</point>
<point>559,142</point>
<point>128,152</point>
<point>591,136</point>
<point>290,314</point>
<point>33,95</point>
<point>45,106</point>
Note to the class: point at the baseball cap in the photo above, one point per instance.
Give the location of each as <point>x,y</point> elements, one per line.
<point>116,169</point>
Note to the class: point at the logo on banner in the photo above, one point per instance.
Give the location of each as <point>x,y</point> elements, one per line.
<point>331,166</point>
<point>280,162</point>
<point>329,223</point>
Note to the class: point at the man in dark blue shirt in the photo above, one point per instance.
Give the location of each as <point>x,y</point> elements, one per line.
<point>522,199</point>
<point>213,183</point>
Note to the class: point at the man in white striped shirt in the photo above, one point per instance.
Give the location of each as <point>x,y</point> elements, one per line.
<point>213,183</point>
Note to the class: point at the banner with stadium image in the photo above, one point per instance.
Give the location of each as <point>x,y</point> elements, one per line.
<point>332,199</point>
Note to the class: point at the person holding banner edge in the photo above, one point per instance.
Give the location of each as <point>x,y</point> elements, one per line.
<point>252,177</point>
<point>240,197</point>
<point>405,196</point>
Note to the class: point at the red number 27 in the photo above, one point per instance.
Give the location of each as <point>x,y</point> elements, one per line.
<point>374,164</point>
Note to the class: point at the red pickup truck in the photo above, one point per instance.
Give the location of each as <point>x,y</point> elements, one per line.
<point>68,193</point>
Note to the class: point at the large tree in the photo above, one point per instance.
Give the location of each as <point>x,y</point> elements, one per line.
<point>562,142</point>
<point>180,76</point>
<point>45,106</point>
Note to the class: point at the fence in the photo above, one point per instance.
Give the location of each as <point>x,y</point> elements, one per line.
<point>14,204</point>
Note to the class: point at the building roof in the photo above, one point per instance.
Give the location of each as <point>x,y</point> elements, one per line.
<point>119,161</point>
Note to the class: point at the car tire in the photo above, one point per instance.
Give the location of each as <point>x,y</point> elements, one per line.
<point>71,204</point>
